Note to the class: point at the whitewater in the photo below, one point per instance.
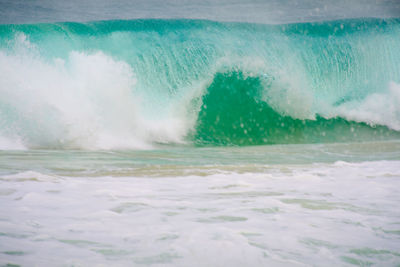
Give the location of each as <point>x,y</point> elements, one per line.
<point>194,134</point>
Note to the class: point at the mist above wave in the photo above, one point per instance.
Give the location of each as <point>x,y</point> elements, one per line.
<point>269,11</point>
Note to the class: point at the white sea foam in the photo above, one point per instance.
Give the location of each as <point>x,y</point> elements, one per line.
<point>11,144</point>
<point>286,215</point>
<point>86,101</point>
<point>376,109</point>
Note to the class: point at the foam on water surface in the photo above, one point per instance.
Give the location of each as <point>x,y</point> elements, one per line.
<point>338,213</point>
<point>187,142</point>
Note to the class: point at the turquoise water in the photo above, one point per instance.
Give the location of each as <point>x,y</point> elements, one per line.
<point>189,142</point>
<point>208,83</point>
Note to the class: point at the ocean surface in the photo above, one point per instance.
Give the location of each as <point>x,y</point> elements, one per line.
<point>178,133</point>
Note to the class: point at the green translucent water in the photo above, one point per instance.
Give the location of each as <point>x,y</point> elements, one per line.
<point>217,83</point>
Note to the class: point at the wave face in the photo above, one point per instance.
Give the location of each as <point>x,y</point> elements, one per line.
<point>131,84</point>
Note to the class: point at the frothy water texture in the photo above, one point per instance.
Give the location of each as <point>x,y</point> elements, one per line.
<point>289,205</point>
<point>178,133</point>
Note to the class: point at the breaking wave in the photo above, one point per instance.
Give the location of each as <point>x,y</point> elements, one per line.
<point>134,84</point>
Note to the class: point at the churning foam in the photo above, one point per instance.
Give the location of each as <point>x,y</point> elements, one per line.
<point>376,109</point>
<point>86,101</point>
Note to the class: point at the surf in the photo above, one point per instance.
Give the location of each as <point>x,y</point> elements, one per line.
<point>138,83</point>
